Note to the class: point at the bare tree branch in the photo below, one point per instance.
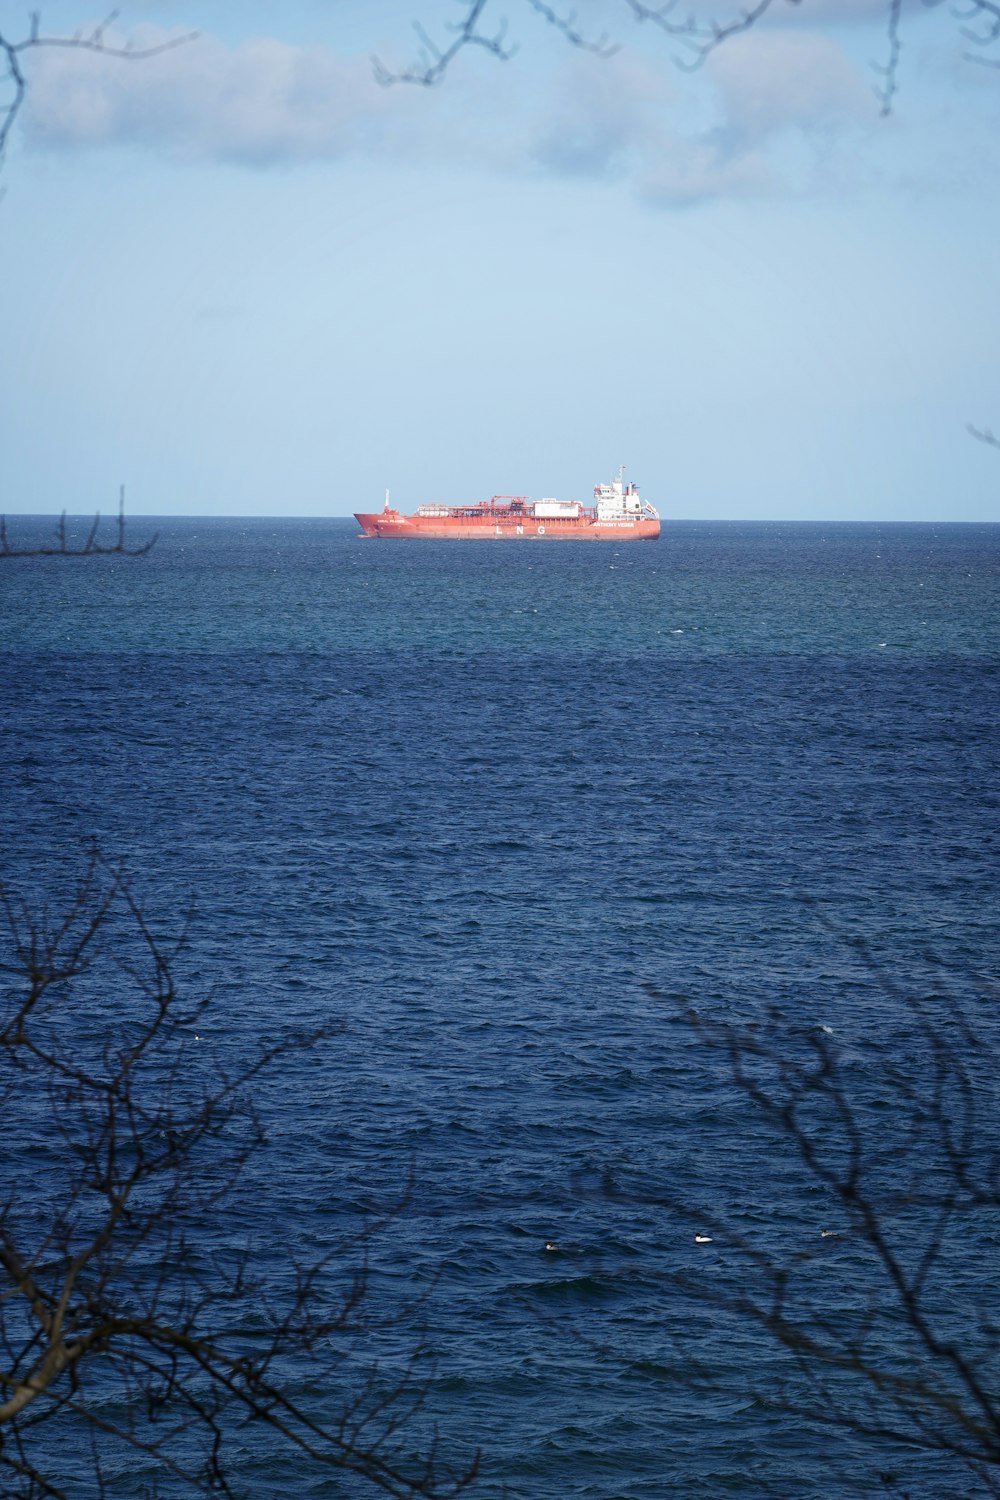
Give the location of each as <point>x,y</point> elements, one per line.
<point>137,1140</point>
<point>90,548</point>
<point>602,45</point>
<point>13,53</point>
<point>984,435</point>
<point>903,1154</point>
<point>433,61</point>
<point>698,36</point>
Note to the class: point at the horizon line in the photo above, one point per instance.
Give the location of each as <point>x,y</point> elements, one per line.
<point>88,515</point>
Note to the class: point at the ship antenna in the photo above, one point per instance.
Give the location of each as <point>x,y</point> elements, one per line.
<point>386,506</point>
<point>621,472</point>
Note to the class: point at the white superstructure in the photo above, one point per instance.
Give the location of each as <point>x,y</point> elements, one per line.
<point>617,500</point>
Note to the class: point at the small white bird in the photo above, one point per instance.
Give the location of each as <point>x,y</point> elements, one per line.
<point>703,1239</point>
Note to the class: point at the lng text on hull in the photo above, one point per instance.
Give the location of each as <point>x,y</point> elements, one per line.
<point>617,515</point>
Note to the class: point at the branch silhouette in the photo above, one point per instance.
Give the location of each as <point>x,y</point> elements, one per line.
<point>885,1313</point>
<point>91,547</point>
<point>697,36</point>
<point>127,1317</point>
<point>984,435</point>
<point>13,53</point>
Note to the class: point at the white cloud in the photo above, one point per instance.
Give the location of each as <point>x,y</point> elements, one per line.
<point>679,137</point>
<point>775,81</point>
<point>696,172</point>
<point>259,102</point>
<point>594,117</point>
<point>756,118</point>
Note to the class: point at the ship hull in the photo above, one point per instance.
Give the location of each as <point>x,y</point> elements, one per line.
<point>494,529</point>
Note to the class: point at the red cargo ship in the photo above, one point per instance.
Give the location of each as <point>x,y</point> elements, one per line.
<point>617,515</point>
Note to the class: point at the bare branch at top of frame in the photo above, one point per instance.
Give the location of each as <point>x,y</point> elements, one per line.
<point>697,37</point>
<point>566,23</point>
<point>94,40</point>
<point>701,38</point>
<point>433,61</point>
<point>987,14</point>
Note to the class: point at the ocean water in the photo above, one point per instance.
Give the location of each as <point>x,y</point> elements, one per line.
<point>501,813</point>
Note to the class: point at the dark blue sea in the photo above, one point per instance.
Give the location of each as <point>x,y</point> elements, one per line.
<point>507,815</point>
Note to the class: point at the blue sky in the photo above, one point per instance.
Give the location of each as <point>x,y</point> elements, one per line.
<point>245,279</point>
